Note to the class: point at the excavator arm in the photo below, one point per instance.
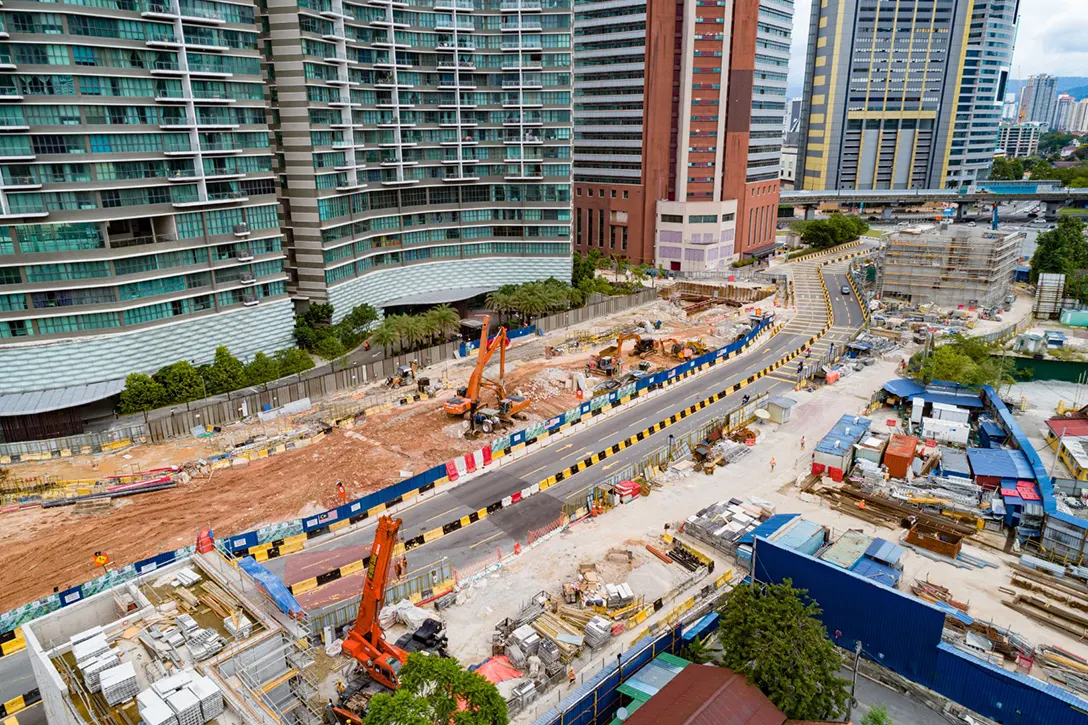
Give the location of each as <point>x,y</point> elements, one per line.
<point>624,338</point>
<point>365,642</point>
<point>463,403</point>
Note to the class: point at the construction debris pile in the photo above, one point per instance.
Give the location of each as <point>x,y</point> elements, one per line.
<point>185,698</point>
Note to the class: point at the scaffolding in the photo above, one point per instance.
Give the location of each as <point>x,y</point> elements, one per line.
<point>950,266</point>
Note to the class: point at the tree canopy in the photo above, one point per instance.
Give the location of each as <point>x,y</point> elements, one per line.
<point>1064,250</point>
<point>836,229</point>
<point>877,715</point>
<point>1054,141</point>
<point>771,634</point>
<point>1006,169</point>
<point>315,331</point>
<point>967,361</point>
<point>432,689</point>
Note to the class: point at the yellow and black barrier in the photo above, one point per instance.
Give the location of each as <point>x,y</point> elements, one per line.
<point>12,642</point>
<point>21,702</point>
<point>572,470</point>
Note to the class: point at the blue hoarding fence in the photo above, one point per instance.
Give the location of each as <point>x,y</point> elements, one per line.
<point>356,511</point>
<point>472,345</point>
<point>904,634</point>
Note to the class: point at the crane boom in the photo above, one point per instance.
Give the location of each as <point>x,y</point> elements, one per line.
<point>468,396</point>
<point>365,642</point>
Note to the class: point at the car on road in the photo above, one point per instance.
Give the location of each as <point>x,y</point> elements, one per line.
<point>845,291</point>
<point>972,224</point>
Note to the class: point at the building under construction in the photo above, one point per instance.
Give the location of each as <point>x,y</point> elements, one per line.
<point>949,265</point>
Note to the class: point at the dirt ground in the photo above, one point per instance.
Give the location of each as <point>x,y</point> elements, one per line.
<point>386,448</point>
<point>45,548</point>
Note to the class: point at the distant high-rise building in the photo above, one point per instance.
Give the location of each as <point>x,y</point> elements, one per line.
<point>1063,112</point>
<point>1078,121</point>
<point>1011,108</point>
<point>793,120</point>
<point>678,121</point>
<point>903,95</point>
<point>1020,140</point>
<point>1037,104</point>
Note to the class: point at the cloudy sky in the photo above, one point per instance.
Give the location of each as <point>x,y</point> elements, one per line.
<point>1053,38</point>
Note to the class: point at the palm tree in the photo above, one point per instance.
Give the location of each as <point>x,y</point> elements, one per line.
<point>415,330</point>
<point>445,319</point>
<point>384,335</point>
<point>530,302</point>
<point>399,325</point>
<point>500,302</point>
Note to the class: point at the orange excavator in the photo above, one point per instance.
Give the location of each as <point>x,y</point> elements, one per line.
<point>365,642</point>
<point>467,400</point>
<point>379,660</point>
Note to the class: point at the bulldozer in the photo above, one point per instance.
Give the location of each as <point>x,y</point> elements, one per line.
<point>405,375</point>
<point>673,348</point>
<point>606,365</point>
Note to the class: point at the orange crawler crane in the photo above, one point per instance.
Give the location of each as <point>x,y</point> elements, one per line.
<point>467,400</point>
<point>365,642</point>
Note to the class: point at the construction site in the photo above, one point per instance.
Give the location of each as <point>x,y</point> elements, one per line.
<point>601,494</point>
<point>949,265</point>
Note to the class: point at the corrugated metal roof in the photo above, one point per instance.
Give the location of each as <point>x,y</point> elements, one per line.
<point>43,401</point>
<point>800,535</point>
<point>653,677</point>
<point>847,550</point>
<point>876,572</point>
<point>706,695</point>
<point>903,388</point>
<point>848,431</point>
<point>954,462</point>
<point>444,295</point>
<point>781,401</point>
<point>993,462</point>
<point>992,429</point>
<point>767,528</point>
<point>884,551</point>
<point>957,614</point>
<point>1068,426</point>
<point>1070,519</point>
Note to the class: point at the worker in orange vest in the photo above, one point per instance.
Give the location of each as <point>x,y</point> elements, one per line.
<point>772,464</point>
<point>341,491</point>
<point>570,675</point>
<point>802,443</point>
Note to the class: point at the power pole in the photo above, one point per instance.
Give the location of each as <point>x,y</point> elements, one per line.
<point>853,686</point>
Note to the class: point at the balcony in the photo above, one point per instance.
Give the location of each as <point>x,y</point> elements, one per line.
<point>6,63</point>
<point>10,94</point>
<point>13,125</point>
<point>159,11</point>
<point>525,26</point>
<point>521,64</point>
<point>513,6</point>
<point>451,5</point>
<point>21,182</point>
<point>213,97</point>
<point>179,175</point>
<point>449,27</point>
<point>456,65</point>
<point>400,182</point>
<point>449,48</point>
<point>460,178</point>
<point>528,139</point>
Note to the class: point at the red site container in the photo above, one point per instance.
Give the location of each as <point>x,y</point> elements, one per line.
<point>899,455</point>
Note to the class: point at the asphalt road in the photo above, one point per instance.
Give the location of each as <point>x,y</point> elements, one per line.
<point>503,528</point>
<point>16,678</point>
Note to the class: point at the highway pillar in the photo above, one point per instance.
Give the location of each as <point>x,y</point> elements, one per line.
<point>1050,210</point>
<point>886,214</point>
<point>961,209</point>
<point>810,212</point>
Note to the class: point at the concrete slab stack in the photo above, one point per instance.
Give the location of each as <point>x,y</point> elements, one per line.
<point>119,683</point>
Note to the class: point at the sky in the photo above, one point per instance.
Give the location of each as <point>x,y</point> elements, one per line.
<point>1053,38</point>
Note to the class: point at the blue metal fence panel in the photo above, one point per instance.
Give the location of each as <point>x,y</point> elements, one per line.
<point>1004,696</point>
<point>904,635</point>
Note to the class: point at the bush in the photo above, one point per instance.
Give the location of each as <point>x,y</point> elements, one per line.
<point>830,232</point>
<point>262,369</point>
<point>141,393</point>
<point>744,262</point>
<point>329,347</point>
<point>293,360</point>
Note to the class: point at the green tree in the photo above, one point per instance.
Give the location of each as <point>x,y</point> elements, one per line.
<point>141,393</point>
<point>1054,141</point>
<point>293,360</point>
<point>262,369</point>
<point>438,691</point>
<point>1006,169</point>
<point>181,382</point>
<point>582,268</point>
<point>967,361</point>
<point>1063,250</point>
<point>226,372</point>
<point>501,301</point>
<point>414,330</point>
<point>877,715</point>
<point>384,336</point>
<point>695,651</point>
<point>329,347</point>
<point>444,319</point>
<point>771,634</point>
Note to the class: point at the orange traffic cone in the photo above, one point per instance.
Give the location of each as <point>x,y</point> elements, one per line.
<point>517,549</point>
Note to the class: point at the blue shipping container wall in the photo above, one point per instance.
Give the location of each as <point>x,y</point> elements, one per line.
<point>904,634</point>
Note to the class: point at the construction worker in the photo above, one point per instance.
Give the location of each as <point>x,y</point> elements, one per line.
<point>802,443</point>
<point>772,464</point>
<point>570,675</point>
<point>341,492</point>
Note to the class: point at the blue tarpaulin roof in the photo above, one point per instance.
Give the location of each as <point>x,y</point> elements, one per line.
<point>848,431</point>
<point>877,572</point>
<point>992,429</point>
<point>767,528</point>
<point>903,388</point>
<point>946,393</point>
<point>272,586</point>
<point>1000,463</point>
<point>1022,268</point>
<point>884,551</point>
